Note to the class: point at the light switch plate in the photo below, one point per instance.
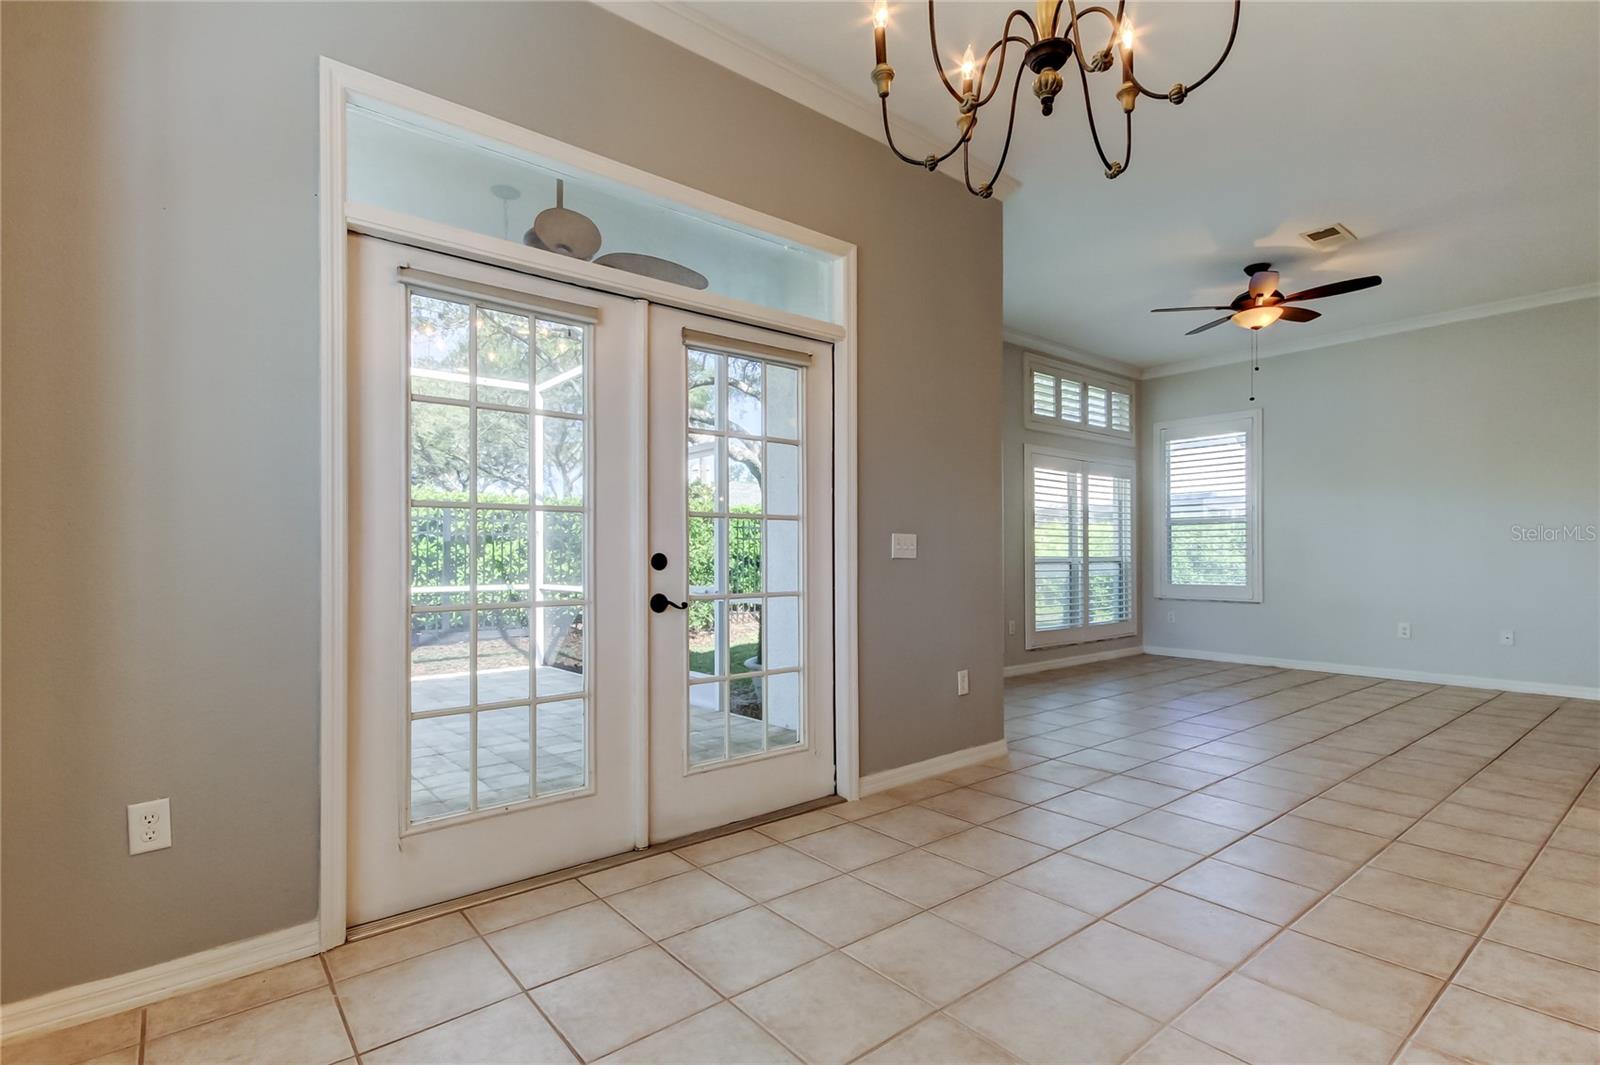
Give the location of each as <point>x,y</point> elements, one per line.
<point>902,545</point>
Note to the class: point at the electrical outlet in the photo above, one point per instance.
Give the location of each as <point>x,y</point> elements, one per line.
<point>149,826</point>
<point>1172,617</point>
<point>1508,638</point>
<point>1403,630</point>
<point>1011,628</point>
<point>961,682</point>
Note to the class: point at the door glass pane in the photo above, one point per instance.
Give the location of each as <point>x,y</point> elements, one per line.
<point>502,556</point>
<point>504,773</point>
<point>744,396</point>
<point>738,632</point>
<point>498,579</point>
<point>439,345</point>
<point>783,401</point>
<point>563,746</point>
<point>441,766</point>
<point>502,357</point>
<point>558,384</point>
<point>783,709</point>
<point>441,541</point>
<point>558,655</point>
<point>441,451</point>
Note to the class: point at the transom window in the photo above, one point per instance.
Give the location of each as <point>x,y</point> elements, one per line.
<point>746,514</point>
<point>1210,540</point>
<point>498,465</point>
<point>1079,557</point>
<point>1061,398</point>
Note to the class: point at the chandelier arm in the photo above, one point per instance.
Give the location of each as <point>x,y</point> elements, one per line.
<point>938,64</point>
<point>1088,109</point>
<point>1005,150</point>
<point>1001,46</point>
<point>924,163</point>
<point>1233,33</point>
<point>1074,14</point>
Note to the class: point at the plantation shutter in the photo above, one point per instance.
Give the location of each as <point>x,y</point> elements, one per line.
<point>1059,400</point>
<point>1080,549</point>
<point>1210,508</point>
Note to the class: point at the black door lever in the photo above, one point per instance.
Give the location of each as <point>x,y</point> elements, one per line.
<point>659,604</point>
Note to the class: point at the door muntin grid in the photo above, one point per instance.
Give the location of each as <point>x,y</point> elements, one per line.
<point>498,708</point>
<point>745,488</point>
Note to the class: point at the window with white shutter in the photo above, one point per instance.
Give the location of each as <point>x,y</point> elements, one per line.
<point>1210,541</point>
<point>1060,398</point>
<point>1079,550</point>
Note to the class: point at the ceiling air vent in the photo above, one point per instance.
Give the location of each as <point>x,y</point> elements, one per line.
<point>1327,238</point>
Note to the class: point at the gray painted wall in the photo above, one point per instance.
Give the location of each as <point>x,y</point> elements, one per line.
<point>1393,472</point>
<point>1016,437</point>
<point>160,423</point>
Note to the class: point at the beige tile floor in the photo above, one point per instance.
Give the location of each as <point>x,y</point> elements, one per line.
<point>1178,862</point>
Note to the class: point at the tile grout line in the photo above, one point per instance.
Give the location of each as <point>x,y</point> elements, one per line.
<point>525,992</point>
<point>1236,969</point>
<point>338,1004</point>
<point>1450,981</point>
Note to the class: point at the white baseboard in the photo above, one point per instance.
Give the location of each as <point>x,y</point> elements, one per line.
<point>932,767</point>
<point>1048,664</point>
<point>100,998</point>
<point>1570,691</point>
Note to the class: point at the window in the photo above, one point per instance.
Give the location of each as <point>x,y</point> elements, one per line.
<point>1211,508</point>
<point>1060,398</point>
<point>1079,556</point>
<point>498,458</point>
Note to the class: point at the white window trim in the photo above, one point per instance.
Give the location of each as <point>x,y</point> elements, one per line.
<point>1032,361</point>
<point>1250,420</point>
<point>1086,633</point>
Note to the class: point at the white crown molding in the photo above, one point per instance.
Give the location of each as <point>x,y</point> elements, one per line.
<point>1407,325</point>
<point>688,28</point>
<point>1040,346</point>
<point>101,998</point>
<point>1531,687</point>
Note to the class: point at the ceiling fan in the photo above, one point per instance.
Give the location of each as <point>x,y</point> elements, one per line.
<point>1262,304</point>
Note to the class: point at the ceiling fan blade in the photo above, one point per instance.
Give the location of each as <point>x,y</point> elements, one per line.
<point>1263,283</point>
<point>1210,325</point>
<point>1162,310</point>
<point>1336,288</point>
<point>1299,314</point>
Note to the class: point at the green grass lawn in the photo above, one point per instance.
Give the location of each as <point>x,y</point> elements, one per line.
<point>705,661</point>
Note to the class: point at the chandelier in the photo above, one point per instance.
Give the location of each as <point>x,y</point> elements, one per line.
<point>1052,44</point>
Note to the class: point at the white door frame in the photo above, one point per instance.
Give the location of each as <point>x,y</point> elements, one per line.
<point>337,82</point>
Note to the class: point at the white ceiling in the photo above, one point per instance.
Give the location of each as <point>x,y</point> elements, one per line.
<point>1460,141</point>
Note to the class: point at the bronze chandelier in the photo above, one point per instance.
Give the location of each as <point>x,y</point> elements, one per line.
<point>1049,48</point>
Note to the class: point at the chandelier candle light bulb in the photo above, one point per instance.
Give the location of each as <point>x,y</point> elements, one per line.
<point>1051,41</point>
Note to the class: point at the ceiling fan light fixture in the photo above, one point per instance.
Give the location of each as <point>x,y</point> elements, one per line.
<point>1257,317</point>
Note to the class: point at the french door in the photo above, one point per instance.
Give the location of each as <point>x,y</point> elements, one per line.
<point>519,450</point>
<point>741,521</point>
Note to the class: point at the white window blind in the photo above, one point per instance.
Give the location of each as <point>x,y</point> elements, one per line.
<point>1060,398</point>
<point>1211,508</point>
<point>1080,562</point>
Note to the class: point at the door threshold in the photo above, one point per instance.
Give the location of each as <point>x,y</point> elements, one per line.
<point>439,909</point>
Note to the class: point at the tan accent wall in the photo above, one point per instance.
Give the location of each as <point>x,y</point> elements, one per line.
<point>160,473</point>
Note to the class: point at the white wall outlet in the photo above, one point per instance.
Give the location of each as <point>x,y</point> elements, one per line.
<point>1011,628</point>
<point>1403,630</point>
<point>1508,638</point>
<point>149,826</point>
<point>902,545</point>
<point>1172,617</point>
<point>961,682</point>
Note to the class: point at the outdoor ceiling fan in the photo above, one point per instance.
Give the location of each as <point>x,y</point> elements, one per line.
<point>1262,304</point>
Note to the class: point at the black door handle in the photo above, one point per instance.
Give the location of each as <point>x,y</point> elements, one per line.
<point>659,604</point>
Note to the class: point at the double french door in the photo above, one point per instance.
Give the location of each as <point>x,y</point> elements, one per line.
<point>590,597</point>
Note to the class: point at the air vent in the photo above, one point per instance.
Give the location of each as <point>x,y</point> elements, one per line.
<point>1327,238</point>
